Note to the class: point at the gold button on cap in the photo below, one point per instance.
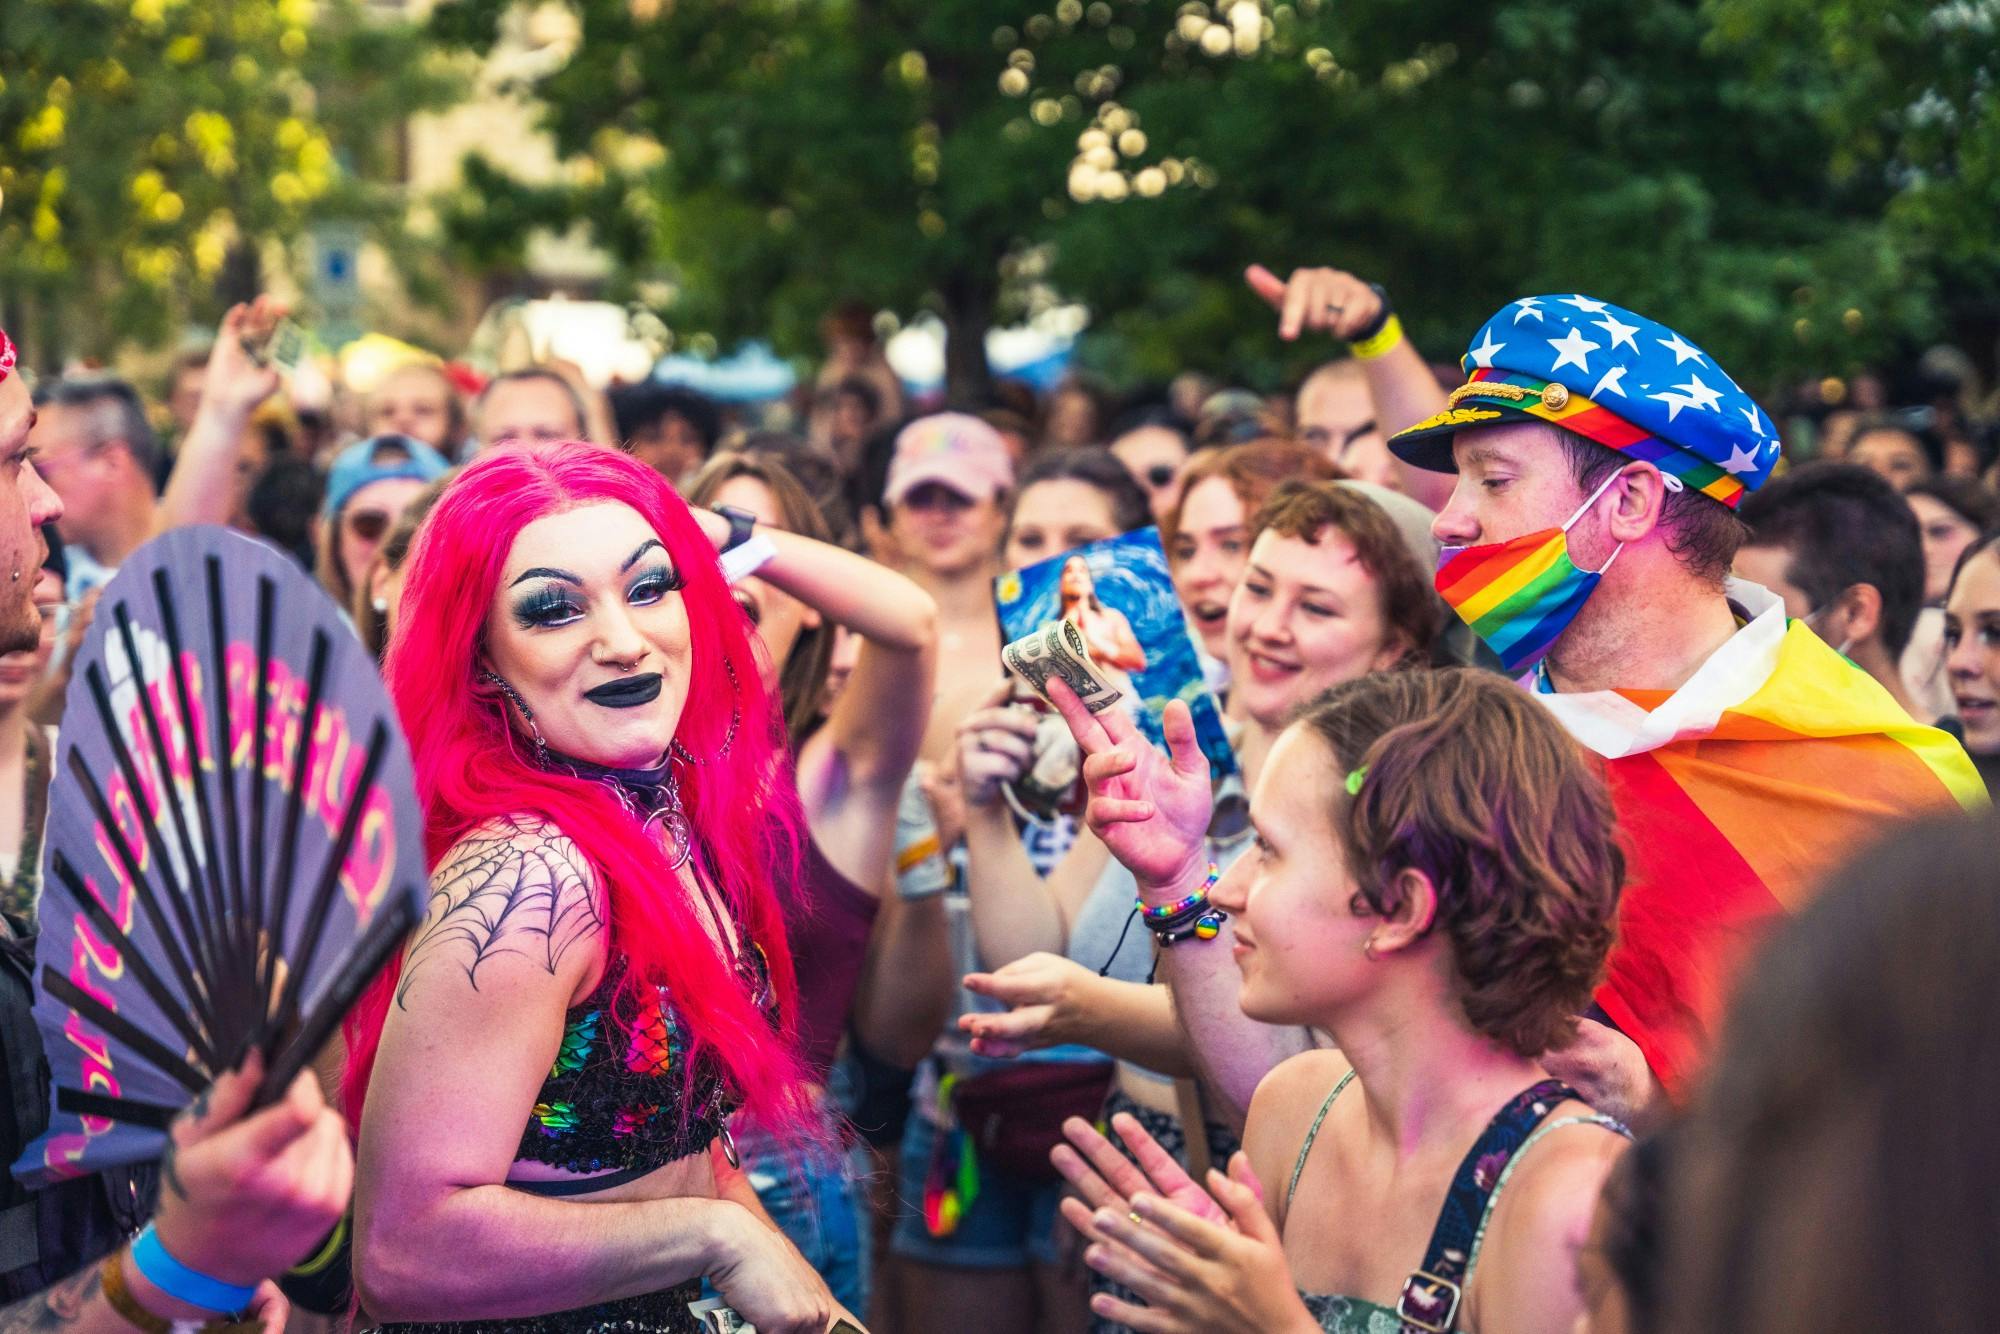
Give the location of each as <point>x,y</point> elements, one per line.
<point>1555,397</point>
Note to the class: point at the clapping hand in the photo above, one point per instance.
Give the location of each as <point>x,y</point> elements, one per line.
<point>1198,1274</point>
<point>1107,1179</point>
<point>1151,810</point>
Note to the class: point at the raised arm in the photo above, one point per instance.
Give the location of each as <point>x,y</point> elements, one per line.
<point>199,488</point>
<point>1337,303</point>
<point>851,771</point>
<point>1015,912</point>
<point>1151,811</point>
<point>516,931</point>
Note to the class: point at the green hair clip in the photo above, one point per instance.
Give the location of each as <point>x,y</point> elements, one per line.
<point>1354,781</point>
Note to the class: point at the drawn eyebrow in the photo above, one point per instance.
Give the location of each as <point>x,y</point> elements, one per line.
<point>644,547</point>
<point>543,572</point>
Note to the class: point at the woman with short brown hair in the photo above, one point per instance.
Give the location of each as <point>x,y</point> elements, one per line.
<point>1434,885</point>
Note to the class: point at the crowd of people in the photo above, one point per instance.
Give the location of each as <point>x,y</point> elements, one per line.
<point>1588,935</point>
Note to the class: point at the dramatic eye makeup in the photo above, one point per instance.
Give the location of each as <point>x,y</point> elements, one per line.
<point>550,604</point>
<point>560,599</point>
<point>652,584</point>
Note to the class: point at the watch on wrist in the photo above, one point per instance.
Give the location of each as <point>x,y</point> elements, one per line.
<point>741,523</point>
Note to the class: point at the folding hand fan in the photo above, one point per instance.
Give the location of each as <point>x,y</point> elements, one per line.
<point>234,846</point>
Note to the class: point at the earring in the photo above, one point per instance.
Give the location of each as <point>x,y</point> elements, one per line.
<point>16,577</point>
<point>1368,948</point>
<point>735,717</point>
<point>381,606</point>
<point>527,714</point>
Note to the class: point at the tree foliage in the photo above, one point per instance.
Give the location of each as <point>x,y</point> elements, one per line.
<point>151,152</point>
<point>1801,184</point>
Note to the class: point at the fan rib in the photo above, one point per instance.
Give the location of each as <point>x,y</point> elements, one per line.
<point>288,842</point>
<point>252,935</point>
<point>266,593</point>
<point>329,879</point>
<point>204,968</point>
<point>143,1044</point>
<point>135,958</point>
<point>231,1027</point>
<point>147,1115</point>
<point>358,967</point>
<point>242,972</point>
<point>143,888</point>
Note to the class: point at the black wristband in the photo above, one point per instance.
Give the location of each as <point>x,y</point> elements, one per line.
<point>1381,319</point>
<point>741,523</point>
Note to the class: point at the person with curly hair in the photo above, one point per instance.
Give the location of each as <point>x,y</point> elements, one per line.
<point>1434,884</point>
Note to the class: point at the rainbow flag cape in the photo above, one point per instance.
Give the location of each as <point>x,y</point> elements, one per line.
<point>1776,761</point>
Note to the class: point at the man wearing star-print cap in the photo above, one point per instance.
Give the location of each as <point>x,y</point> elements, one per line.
<point>1600,458</point>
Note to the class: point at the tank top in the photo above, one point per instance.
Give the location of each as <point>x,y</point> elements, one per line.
<point>1433,1293</point>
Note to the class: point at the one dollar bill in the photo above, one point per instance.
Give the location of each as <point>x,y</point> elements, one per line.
<point>1057,649</point>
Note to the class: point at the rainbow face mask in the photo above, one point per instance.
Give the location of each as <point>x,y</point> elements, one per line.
<point>1519,595</point>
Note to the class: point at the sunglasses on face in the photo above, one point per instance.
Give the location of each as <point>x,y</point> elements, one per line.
<point>368,525</point>
<point>932,497</point>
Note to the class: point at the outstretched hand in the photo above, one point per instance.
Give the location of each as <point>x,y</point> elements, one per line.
<point>1151,810</point>
<point>1328,301</point>
<point>1048,997</point>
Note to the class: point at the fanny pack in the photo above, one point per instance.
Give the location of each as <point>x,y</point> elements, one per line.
<point>1006,1120</point>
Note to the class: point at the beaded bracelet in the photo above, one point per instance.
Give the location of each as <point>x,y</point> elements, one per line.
<point>1166,912</point>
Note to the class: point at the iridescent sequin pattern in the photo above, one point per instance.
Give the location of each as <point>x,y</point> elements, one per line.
<point>614,1093</point>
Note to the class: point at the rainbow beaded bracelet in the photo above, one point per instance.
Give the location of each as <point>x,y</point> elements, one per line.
<point>1165,914</point>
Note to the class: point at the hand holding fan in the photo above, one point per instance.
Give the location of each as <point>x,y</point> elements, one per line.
<point>234,845</point>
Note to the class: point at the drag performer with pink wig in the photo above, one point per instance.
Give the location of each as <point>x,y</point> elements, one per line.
<point>541,1087</point>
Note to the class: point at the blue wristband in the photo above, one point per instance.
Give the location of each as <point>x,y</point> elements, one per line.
<point>182,1284</point>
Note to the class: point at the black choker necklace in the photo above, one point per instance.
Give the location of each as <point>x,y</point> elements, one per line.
<point>652,796</point>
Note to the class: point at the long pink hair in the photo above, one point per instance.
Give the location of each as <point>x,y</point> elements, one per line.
<point>471,767</point>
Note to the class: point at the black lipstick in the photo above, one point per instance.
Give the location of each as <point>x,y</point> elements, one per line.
<point>627,692</point>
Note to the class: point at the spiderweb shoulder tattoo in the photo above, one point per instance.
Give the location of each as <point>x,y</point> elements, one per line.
<point>518,887</point>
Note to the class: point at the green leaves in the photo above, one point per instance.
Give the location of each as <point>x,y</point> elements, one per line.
<point>150,149</point>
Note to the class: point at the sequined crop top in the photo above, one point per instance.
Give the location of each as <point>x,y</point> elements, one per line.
<point>613,1098</point>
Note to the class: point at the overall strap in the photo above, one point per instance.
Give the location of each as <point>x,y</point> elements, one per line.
<point>1312,1135</point>
<point>1430,1299</point>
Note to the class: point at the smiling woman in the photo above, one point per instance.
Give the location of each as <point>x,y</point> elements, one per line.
<point>603,976</point>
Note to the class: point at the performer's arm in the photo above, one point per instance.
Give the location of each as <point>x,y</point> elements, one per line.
<point>516,929</point>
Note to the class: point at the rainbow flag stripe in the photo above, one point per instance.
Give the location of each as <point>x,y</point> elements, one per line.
<point>1729,826</point>
<point>1587,418</point>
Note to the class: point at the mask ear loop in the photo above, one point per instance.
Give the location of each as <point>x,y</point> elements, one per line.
<point>1598,495</point>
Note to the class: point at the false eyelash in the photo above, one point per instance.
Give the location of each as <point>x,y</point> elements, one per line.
<point>543,608</point>
<point>665,579</point>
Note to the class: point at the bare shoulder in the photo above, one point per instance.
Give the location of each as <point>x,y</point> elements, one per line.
<point>1542,1218</point>
<point>516,889</point>
<point>1291,1093</point>
<point>1281,1114</point>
